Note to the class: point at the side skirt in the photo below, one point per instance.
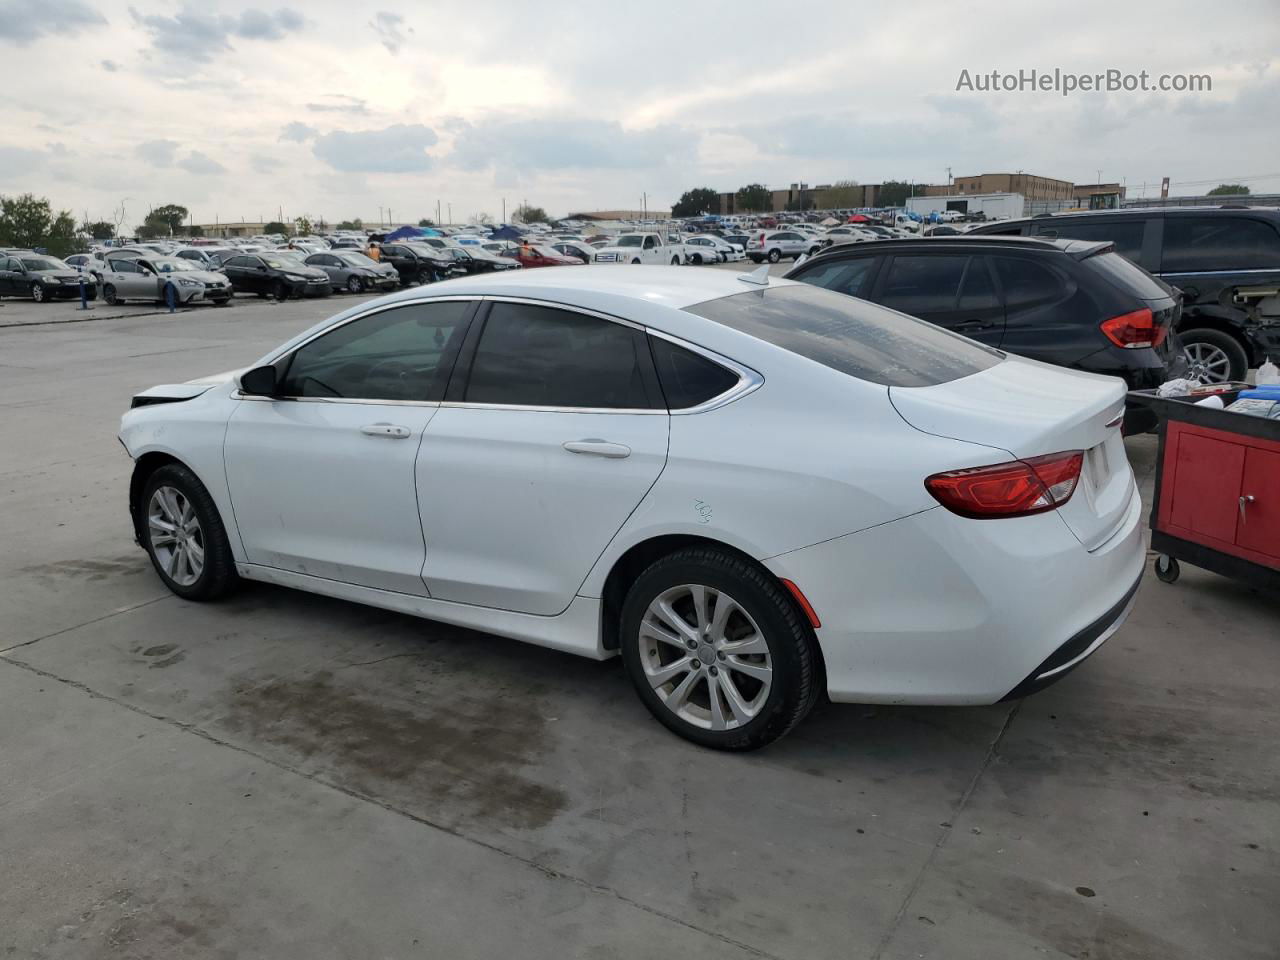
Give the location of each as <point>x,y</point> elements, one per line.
<point>576,630</point>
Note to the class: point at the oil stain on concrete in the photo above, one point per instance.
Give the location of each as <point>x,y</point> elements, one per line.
<point>455,763</point>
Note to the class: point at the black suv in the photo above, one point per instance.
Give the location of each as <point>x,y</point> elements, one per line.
<point>1225,260</point>
<point>1067,302</point>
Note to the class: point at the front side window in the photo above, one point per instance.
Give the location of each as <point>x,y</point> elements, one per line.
<point>397,354</point>
<point>1193,244</point>
<point>1125,234</point>
<point>856,338</point>
<point>544,357</point>
<point>123,266</point>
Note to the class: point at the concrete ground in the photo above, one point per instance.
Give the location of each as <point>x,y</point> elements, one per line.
<point>285,776</point>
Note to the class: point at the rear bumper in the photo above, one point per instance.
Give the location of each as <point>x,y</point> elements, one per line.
<point>934,608</point>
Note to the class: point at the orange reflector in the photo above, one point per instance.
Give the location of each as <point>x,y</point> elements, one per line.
<point>804,603</point>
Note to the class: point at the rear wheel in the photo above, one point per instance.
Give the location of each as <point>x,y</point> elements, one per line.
<point>1213,356</point>
<point>775,255</point>
<point>184,535</point>
<point>717,650</point>
<point>675,261</point>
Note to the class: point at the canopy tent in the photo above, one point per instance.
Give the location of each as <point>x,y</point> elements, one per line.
<point>859,218</point>
<point>405,233</point>
<point>830,222</point>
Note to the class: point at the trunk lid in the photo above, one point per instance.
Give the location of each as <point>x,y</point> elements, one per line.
<point>1024,408</point>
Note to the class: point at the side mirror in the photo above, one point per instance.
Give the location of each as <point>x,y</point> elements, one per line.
<point>259,382</point>
<point>262,268</point>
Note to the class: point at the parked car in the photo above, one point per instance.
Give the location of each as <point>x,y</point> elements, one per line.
<point>1224,260</point>
<point>541,255</point>
<point>193,283</point>
<point>318,283</point>
<point>773,245</point>
<point>703,249</point>
<point>137,278</point>
<point>415,263</point>
<point>352,271</point>
<point>42,278</point>
<point>970,528</point>
<point>577,249</point>
<point>1070,303</point>
<point>268,275</point>
<point>466,260</point>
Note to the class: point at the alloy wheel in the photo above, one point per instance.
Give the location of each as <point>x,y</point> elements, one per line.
<point>705,657</point>
<point>37,293</point>
<point>176,536</point>
<point>1207,363</point>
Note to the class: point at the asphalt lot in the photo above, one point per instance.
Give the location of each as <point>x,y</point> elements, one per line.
<point>287,776</point>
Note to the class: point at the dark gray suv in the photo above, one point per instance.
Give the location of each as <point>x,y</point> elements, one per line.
<point>1225,260</point>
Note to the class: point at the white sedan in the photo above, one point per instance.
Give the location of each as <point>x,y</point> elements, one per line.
<point>755,491</point>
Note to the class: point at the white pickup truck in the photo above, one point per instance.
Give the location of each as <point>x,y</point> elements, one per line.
<point>640,248</point>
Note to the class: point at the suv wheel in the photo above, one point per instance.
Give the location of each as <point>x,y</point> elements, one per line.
<point>717,650</point>
<point>775,255</point>
<point>1213,356</point>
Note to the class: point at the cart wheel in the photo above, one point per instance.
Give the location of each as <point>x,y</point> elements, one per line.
<point>1167,569</point>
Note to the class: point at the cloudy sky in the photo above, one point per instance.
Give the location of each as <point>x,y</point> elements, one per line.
<point>238,110</point>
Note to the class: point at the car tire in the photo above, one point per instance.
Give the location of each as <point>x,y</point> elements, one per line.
<point>675,261</point>
<point>697,259</point>
<point>753,697</point>
<point>109,295</point>
<point>637,260</point>
<point>355,285</point>
<point>1213,354</point>
<point>196,563</point>
<point>775,255</point>
<point>280,291</point>
<point>37,293</point>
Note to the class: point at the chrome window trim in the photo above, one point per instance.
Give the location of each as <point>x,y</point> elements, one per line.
<point>525,408</point>
<point>749,380</point>
<point>238,395</point>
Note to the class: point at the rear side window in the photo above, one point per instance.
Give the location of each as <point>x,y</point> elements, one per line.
<point>856,338</point>
<point>1193,244</point>
<point>687,378</point>
<point>543,357</point>
<point>849,277</point>
<point>1125,234</point>
<point>1027,282</point>
<point>1128,276</point>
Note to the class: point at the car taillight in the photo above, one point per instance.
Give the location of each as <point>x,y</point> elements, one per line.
<point>1013,489</point>
<point>1135,330</point>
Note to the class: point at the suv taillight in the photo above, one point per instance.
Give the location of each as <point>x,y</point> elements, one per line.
<point>1135,330</point>
<point>1013,489</point>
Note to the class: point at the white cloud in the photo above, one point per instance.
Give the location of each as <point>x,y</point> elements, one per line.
<point>400,148</point>
<point>24,21</point>
<point>390,30</point>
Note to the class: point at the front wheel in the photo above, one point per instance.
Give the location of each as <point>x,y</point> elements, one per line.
<point>355,285</point>
<point>280,291</point>
<point>775,256</point>
<point>717,650</point>
<point>109,295</point>
<point>636,260</point>
<point>37,292</point>
<point>184,535</point>
<point>1213,356</point>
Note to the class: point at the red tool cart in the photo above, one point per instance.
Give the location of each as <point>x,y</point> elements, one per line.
<point>1217,496</point>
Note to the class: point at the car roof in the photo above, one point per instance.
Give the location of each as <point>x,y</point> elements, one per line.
<point>1077,249</point>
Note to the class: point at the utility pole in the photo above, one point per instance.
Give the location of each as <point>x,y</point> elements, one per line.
<point>388,216</point>
<point>450,206</point>
<point>948,176</point>
<point>437,213</point>
<point>504,209</point>
<point>379,216</point>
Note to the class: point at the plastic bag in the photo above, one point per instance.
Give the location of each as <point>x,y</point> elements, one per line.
<point>1177,388</point>
<point>1268,373</point>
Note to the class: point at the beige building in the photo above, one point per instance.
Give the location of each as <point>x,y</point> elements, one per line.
<point>1029,185</point>
<point>241,229</point>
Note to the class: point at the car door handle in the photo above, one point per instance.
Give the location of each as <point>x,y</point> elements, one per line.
<point>598,448</point>
<point>389,430</point>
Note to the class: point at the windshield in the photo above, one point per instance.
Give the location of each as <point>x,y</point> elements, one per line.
<point>43,263</point>
<point>280,264</point>
<point>174,266</point>
<point>355,259</point>
<point>631,240</point>
<point>854,337</point>
<point>548,252</point>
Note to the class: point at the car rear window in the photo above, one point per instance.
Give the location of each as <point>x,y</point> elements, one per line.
<point>1126,275</point>
<point>854,337</point>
